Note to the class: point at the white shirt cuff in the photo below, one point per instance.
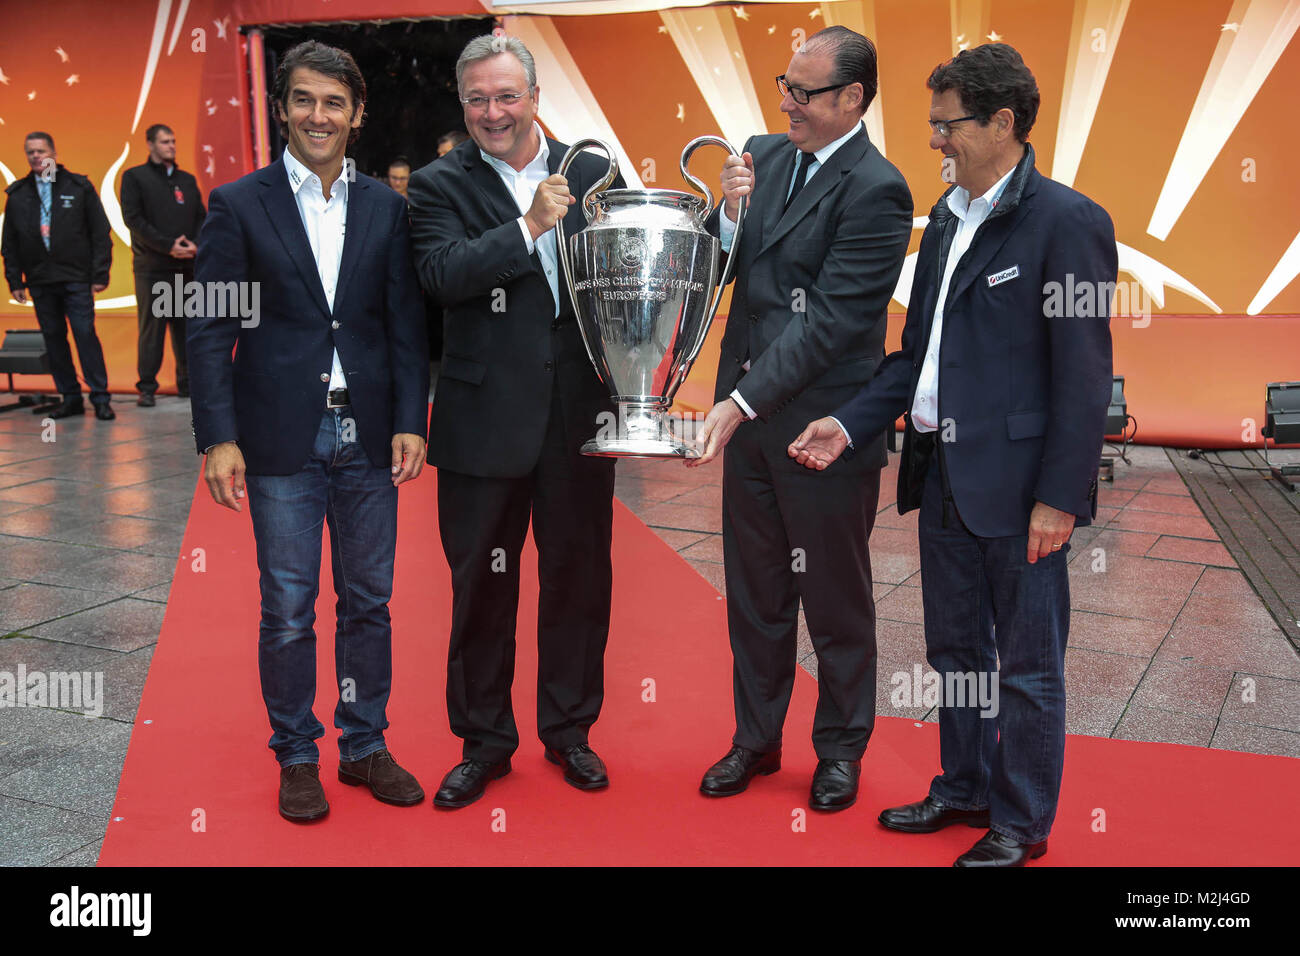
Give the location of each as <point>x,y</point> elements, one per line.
<point>528,236</point>
<point>744,406</point>
<point>847,436</point>
<point>726,230</point>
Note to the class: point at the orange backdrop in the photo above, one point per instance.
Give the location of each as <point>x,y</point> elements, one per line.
<point>1172,115</point>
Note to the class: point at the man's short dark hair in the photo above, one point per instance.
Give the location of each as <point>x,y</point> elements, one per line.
<point>854,57</point>
<point>455,137</point>
<point>152,132</point>
<point>37,134</point>
<point>400,161</point>
<point>328,60</point>
<point>988,78</point>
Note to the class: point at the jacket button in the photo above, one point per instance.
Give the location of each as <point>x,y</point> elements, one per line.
<point>753,318</point>
<point>548,366</point>
<point>334,324</point>
<point>556,324</point>
<point>324,376</point>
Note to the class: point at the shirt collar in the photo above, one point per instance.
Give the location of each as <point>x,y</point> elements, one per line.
<point>543,155</point>
<point>829,149</point>
<point>299,175</point>
<point>959,200</point>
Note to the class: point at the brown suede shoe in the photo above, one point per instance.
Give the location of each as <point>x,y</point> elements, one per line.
<point>302,799</point>
<point>387,781</point>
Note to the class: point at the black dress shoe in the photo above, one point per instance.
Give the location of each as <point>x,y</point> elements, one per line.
<point>731,775</point>
<point>835,785</point>
<point>994,849</point>
<point>582,768</point>
<point>104,412</point>
<point>67,408</point>
<point>146,400</point>
<point>302,799</point>
<point>387,781</point>
<point>466,782</point>
<point>929,815</point>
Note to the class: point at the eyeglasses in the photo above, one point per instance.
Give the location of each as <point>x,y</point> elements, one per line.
<point>504,100</point>
<point>802,96</point>
<point>944,127</point>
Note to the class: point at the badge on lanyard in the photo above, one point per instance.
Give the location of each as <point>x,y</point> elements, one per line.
<point>180,196</point>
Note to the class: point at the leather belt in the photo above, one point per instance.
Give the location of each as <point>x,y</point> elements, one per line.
<point>337,398</point>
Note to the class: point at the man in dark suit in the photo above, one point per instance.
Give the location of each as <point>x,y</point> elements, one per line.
<point>1001,447</point>
<point>163,208</point>
<point>820,254</point>
<point>321,414</point>
<point>516,398</point>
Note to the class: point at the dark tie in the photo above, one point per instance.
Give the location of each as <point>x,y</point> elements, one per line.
<point>800,176</point>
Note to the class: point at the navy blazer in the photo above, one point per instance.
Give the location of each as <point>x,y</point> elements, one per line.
<point>1024,376</point>
<point>270,397</point>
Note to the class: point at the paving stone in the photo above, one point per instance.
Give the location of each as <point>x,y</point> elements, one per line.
<point>122,625</point>
<point>37,835</point>
<point>30,736</point>
<point>1092,716</point>
<point>1162,726</point>
<point>1096,674</point>
<point>712,572</point>
<point>1113,541</point>
<point>1249,738</point>
<point>1185,688</point>
<point>1192,550</point>
<point>1276,703</point>
<point>683,517</point>
<point>1115,635</point>
<point>902,604</point>
<point>1146,588</point>
<point>895,554</point>
<point>1232,649</point>
<point>27,605</point>
<point>1185,526</point>
<point>83,778</point>
<point>88,855</point>
<point>678,540</point>
<point>1177,504</point>
<point>708,548</point>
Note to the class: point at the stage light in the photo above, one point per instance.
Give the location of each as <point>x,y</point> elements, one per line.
<point>1117,413</point>
<point>1282,424</point>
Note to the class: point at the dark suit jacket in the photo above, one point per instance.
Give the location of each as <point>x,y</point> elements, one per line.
<point>501,356</point>
<point>813,284</point>
<point>1026,388</point>
<point>156,219</point>
<point>81,244</point>
<point>271,397</point>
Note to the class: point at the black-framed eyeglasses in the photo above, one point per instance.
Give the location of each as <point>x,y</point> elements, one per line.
<point>943,127</point>
<point>800,95</point>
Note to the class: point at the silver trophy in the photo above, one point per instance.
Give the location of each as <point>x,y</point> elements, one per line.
<point>642,277</point>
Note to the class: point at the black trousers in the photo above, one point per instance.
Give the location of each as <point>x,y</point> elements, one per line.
<point>484,521</point>
<point>153,329</point>
<point>790,535</point>
<point>59,305</point>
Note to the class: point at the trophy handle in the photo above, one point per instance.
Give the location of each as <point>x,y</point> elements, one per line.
<point>729,269</point>
<point>588,210</point>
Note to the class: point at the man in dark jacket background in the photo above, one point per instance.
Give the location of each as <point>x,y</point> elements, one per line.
<point>57,249</point>
<point>163,208</point>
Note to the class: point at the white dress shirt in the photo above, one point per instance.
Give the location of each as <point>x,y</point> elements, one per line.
<point>522,184</point>
<point>727,228</point>
<point>925,405</point>
<point>325,221</point>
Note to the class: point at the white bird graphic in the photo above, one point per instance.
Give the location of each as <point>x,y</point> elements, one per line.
<point>233,101</point>
<point>74,78</point>
<point>1229,27</point>
<point>31,95</point>
<point>4,79</point>
<point>681,112</point>
<point>62,56</point>
<point>221,27</point>
<point>740,12</point>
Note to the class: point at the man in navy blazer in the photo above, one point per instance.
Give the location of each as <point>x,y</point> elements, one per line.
<point>304,269</point>
<point>1004,383</point>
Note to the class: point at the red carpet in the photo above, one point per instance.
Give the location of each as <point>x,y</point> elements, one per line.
<point>200,745</point>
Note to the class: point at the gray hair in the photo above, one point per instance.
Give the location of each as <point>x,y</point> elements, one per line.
<point>489,45</point>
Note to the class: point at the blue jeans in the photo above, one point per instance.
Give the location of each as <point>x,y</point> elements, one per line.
<point>987,607</point>
<point>337,484</point>
<point>74,300</point>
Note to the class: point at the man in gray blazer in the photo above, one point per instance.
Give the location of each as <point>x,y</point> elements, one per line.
<point>820,254</point>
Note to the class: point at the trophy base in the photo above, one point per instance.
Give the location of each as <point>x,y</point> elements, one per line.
<point>642,431</point>
<point>640,448</point>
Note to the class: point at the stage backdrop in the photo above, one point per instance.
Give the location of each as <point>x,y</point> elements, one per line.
<point>1173,115</point>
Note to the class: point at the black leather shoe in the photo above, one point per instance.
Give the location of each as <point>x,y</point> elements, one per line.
<point>582,768</point>
<point>104,412</point>
<point>146,400</point>
<point>67,408</point>
<point>929,815</point>
<point>387,781</point>
<point>466,782</point>
<point>835,785</point>
<point>731,775</point>
<point>994,849</point>
<point>302,799</point>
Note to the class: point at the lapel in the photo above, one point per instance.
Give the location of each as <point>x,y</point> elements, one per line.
<point>360,214</point>
<point>992,237</point>
<point>824,180</point>
<point>490,185</point>
<point>771,214</point>
<point>282,208</point>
